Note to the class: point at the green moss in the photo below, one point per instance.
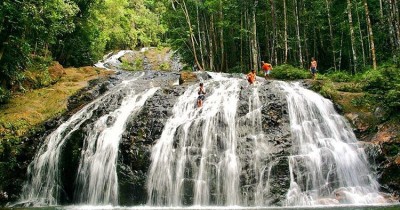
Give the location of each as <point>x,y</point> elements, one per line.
<point>287,72</point>
<point>165,66</point>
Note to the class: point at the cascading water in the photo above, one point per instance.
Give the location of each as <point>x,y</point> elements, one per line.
<point>97,173</point>
<point>44,185</point>
<point>327,166</point>
<point>195,161</point>
<point>212,155</point>
<point>111,60</point>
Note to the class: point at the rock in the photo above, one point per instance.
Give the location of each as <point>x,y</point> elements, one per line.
<point>56,71</point>
<point>186,77</point>
<point>360,125</point>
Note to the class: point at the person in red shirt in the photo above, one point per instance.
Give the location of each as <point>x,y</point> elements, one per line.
<point>267,67</point>
<point>251,77</point>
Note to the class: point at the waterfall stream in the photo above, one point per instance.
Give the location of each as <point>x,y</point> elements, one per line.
<point>272,143</point>
<point>195,157</point>
<point>97,171</point>
<point>327,161</point>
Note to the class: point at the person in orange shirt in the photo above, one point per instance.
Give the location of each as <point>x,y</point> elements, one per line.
<point>251,77</point>
<point>267,67</point>
<point>313,68</point>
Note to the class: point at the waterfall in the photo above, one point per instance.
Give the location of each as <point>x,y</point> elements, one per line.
<point>97,174</point>
<point>111,60</point>
<point>44,185</point>
<point>195,161</point>
<point>326,161</point>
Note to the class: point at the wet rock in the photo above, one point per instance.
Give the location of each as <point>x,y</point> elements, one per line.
<point>186,77</point>
<point>141,133</point>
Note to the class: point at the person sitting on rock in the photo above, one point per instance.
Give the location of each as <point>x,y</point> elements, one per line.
<point>202,93</point>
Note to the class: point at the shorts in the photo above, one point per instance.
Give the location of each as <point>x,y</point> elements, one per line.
<point>201,97</point>
<point>267,72</point>
<point>313,70</point>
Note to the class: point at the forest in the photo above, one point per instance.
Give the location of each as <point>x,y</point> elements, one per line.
<point>349,37</point>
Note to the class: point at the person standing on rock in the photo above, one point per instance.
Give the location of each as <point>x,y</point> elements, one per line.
<point>267,67</point>
<point>202,93</point>
<point>251,77</point>
<point>313,68</point>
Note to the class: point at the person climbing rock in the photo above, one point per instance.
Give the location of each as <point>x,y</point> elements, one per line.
<point>201,97</point>
<point>267,67</point>
<point>251,77</point>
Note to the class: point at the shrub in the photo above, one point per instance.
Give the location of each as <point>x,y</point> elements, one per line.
<point>392,100</point>
<point>127,66</point>
<point>350,87</point>
<point>165,66</point>
<point>372,80</point>
<point>328,90</point>
<point>4,95</point>
<point>287,72</point>
<point>339,76</point>
<point>384,84</point>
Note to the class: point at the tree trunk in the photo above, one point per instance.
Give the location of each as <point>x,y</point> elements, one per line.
<point>396,22</point>
<point>331,32</point>
<point>286,30</point>
<point>298,33</point>
<point>221,36</point>
<point>274,35</point>
<point>352,37</point>
<point>340,52</point>
<point>210,39</point>
<point>361,38</point>
<point>371,34</point>
<point>192,38</point>
<point>381,9</point>
<point>2,52</point>
<point>254,38</point>
<point>200,36</point>
<point>241,43</point>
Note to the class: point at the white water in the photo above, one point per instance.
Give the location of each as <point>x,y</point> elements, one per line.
<point>327,165</point>
<point>112,61</point>
<point>44,185</point>
<point>195,158</point>
<point>97,174</point>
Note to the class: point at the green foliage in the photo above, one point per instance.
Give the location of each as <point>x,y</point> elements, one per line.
<point>288,72</point>
<point>328,90</point>
<point>384,84</point>
<point>350,87</point>
<point>4,95</point>
<point>339,76</point>
<point>165,66</point>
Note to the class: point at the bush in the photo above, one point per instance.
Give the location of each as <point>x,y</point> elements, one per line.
<point>339,76</point>
<point>350,87</point>
<point>4,95</point>
<point>384,84</point>
<point>372,80</point>
<point>328,90</point>
<point>381,79</point>
<point>288,72</point>
<point>392,100</point>
<point>165,66</point>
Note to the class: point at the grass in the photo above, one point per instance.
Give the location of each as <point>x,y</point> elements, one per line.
<point>156,58</point>
<point>28,110</point>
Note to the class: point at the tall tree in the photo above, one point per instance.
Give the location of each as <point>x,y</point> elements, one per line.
<point>371,34</point>
<point>352,36</point>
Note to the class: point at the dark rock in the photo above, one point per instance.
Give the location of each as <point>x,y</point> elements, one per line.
<point>141,133</point>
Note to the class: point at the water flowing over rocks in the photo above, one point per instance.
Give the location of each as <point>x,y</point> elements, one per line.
<point>238,149</point>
